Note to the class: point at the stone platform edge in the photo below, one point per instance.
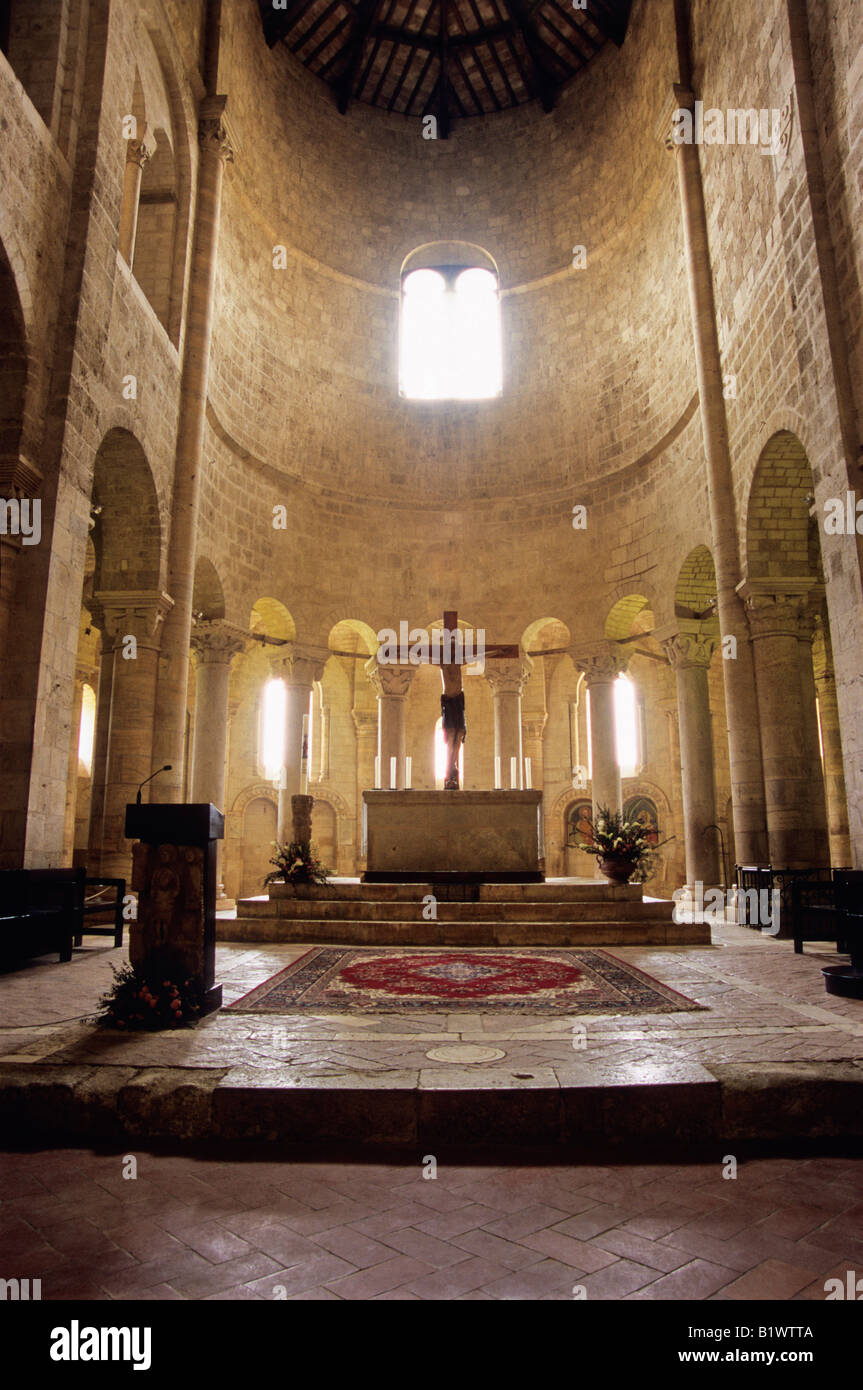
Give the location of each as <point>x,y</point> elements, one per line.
<point>53,1103</point>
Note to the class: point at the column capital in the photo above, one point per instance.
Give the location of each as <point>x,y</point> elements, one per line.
<point>391,681</point>
<point>777,607</point>
<point>139,150</point>
<point>365,723</point>
<point>677,98</point>
<point>601,662</point>
<point>216,134</point>
<point>138,613</point>
<point>687,645</point>
<point>214,640</point>
<point>298,664</point>
<point>508,677</point>
<point>534,726</point>
<point>19,477</point>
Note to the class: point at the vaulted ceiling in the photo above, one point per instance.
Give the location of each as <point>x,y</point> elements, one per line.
<point>447,58</point>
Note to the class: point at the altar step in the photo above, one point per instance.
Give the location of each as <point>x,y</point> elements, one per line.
<point>499,915</point>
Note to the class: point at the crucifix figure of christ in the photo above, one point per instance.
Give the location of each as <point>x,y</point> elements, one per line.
<point>452,699</point>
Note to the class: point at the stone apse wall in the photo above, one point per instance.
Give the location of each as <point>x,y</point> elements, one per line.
<point>397,510</point>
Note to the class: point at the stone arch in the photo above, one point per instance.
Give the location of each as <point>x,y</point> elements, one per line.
<point>270,616</point>
<point>14,370</point>
<point>449,253</point>
<point>695,591</point>
<point>153,262</point>
<point>624,614</point>
<point>208,595</point>
<point>341,815</point>
<point>127,534</point>
<point>250,793</point>
<point>781,532</point>
<point>545,634</point>
<point>352,635</point>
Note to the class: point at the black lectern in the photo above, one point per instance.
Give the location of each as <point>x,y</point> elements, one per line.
<point>174,875</point>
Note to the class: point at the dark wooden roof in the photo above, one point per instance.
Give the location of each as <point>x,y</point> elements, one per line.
<point>444,57</point>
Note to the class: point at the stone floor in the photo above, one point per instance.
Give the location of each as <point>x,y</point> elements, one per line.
<point>200,1227</point>
<point>765,1004</point>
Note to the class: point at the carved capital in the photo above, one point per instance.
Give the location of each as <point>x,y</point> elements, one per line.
<point>688,647</point>
<point>297,664</point>
<point>216,641</point>
<point>534,727</point>
<point>777,607</point>
<point>601,662</point>
<point>138,613</point>
<point>140,150</point>
<point>391,682</point>
<point>215,132</point>
<point>508,677</point>
<point>366,724</point>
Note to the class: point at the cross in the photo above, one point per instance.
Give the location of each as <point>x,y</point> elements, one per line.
<point>452,699</point>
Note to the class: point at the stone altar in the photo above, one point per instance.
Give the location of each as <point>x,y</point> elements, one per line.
<point>480,836</point>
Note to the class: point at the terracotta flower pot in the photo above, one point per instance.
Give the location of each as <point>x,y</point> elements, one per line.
<point>616,870</point>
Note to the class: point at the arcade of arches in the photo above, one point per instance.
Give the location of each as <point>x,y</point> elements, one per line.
<point>204,235</point>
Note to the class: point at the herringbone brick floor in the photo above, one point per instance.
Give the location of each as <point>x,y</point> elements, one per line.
<point>196,1227</point>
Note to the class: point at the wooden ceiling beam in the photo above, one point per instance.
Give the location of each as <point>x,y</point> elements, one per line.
<point>366,14</point>
<point>480,67</point>
<point>611,18</point>
<point>544,82</point>
<point>443,71</point>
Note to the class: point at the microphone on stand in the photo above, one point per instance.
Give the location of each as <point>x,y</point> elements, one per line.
<point>166,768</point>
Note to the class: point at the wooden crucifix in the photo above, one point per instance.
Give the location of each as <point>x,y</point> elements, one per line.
<point>451,660</point>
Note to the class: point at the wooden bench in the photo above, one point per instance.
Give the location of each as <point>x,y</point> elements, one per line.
<point>40,911</point>
<point>102,897</point>
<point>822,911</point>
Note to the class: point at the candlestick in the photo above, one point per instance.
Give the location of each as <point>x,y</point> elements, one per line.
<point>512,773</point>
<point>304,769</point>
<point>393,773</point>
<point>377,773</point>
<point>409,762</point>
<point>528,777</point>
<point>497,780</point>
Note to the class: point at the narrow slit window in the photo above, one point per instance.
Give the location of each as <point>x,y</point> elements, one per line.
<point>450,345</point>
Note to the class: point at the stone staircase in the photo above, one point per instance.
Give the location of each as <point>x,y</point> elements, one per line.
<point>555,913</point>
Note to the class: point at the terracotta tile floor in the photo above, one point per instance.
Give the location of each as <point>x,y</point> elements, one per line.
<point>204,1227</point>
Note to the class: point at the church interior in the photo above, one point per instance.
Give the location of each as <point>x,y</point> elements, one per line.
<point>431,599</point>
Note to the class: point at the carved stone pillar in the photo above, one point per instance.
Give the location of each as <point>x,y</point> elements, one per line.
<point>128,615</point>
<point>299,667</point>
<point>602,663</point>
<point>217,149</point>
<point>831,742</point>
<point>507,679</point>
<point>741,705</point>
<point>689,650</point>
<point>796,810</point>
<point>392,684</point>
<point>137,153</point>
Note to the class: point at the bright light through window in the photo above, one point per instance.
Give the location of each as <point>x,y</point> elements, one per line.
<point>626,726</point>
<point>450,336</point>
<point>440,758</point>
<point>272,745</point>
<point>87,728</point>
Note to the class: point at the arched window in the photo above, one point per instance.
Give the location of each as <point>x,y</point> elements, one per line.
<point>87,730</point>
<point>271,735</point>
<point>440,758</point>
<point>450,346</point>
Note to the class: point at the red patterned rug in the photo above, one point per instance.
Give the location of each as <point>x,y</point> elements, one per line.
<point>329,979</point>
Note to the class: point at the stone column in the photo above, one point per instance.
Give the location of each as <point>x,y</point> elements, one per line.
<point>366,726</point>
<point>216,150</point>
<point>137,153</point>
<point>392,684</point>
<point>299,667</point>
<point>215,645</point>
<point>139,615</point>
<point>689,650</point>
<point>534,730</point>
<point>744,746</point>
<point>831,743</point>
<point>796,812</point>
<point>507,680</point>
<point>82,676</point>
<point>96,828</point>
<point>602,664</point>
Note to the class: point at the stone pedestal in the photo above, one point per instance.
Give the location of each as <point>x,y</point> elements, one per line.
<point>301,812</point>
<point>174,875</point>
<point>476,836</point>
